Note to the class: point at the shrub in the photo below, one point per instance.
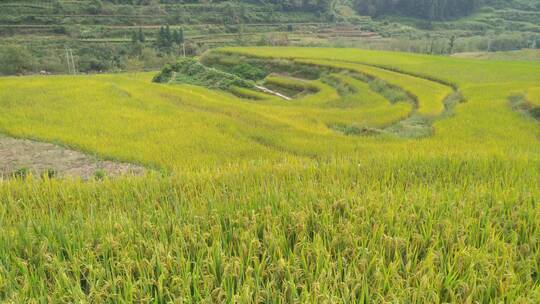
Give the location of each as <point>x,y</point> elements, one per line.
<point>21,173</point>
<point>191,71</point>
<point>248,71</point>
<point>165,75</point>
<point>15,60</point>
<point>99,175</point>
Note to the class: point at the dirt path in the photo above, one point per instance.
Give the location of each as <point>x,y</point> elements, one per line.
<point>268,91</point>
<point>39,157</point>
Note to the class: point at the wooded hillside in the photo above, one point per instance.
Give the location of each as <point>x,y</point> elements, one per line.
<point>435,9</point>
<point>113,35</point>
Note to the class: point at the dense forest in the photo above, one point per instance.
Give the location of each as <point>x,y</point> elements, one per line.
<point>425,9</point>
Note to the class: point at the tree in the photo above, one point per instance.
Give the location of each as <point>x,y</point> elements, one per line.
<point>168,36</point>
<point>134,37</point>
<point>96,7</point>
<point>15,60</point>
<point>142,38</point>
<point>57,7</point>
<point>178,36</point>
<point>424,9</point>
<point>181,38</point>
<point>451,44</point>
<point>161,40</point>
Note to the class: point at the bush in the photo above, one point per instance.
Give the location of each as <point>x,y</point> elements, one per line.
<point>21,173</point>
<point>507,43</point>
<point>191,71</point>
<point>248,71</point>
<point>99,175</point>
<point>15,60</point>
<point>165,75</point>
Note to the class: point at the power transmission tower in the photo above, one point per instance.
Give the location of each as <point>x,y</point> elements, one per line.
<point>72,68</point>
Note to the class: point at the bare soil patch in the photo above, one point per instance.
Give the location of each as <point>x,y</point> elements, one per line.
<point>39,158</point>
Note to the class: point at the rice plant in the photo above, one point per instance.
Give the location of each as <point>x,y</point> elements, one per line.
<point>255,199</point>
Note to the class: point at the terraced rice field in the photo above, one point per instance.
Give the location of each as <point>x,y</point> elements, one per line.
<point>534,97</point>
<point>388,177</point>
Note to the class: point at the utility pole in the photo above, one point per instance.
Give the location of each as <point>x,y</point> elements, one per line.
<point>75,71</point>
<point>72,68</point>
<point>68,61</point>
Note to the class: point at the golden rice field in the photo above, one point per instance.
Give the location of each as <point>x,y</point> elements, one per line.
<point>331,197</point>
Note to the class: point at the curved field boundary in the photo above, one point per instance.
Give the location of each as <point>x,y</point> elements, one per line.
<point>400,71</point>
<point>323,104</point>
<point>358,66</point>
<point>303,91</point>
<point>528,104</point>
<point>359,94</point>
<point>430,95</point>
<point>533,97</point>
<point>244,52</point>
<point>321,101</point>
<point>433,99</point>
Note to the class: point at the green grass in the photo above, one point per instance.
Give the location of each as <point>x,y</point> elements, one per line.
<point>261,200</point>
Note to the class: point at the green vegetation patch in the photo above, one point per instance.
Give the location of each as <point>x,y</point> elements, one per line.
<point>254,68</point>
<point>520,103</point>
<point>190,71</point>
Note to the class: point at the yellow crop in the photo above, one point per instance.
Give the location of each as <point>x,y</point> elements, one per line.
<point>258,199</point>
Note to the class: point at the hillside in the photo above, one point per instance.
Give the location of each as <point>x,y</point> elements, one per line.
<point>35,34</point>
